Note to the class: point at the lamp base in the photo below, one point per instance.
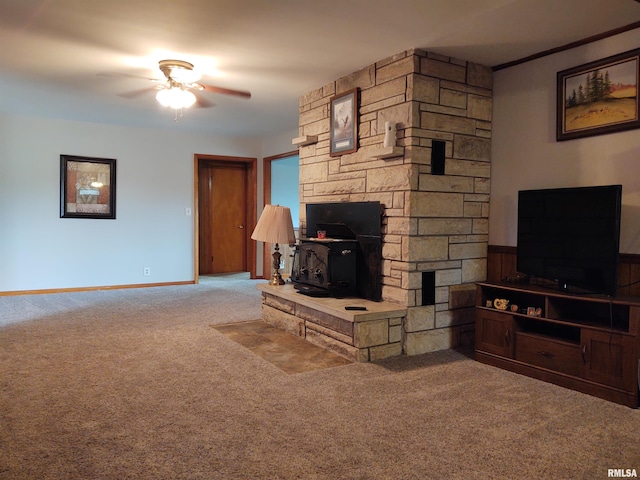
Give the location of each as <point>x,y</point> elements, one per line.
<point>276,278</point>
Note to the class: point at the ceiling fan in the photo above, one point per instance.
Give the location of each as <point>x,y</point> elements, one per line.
<point>181,80</point>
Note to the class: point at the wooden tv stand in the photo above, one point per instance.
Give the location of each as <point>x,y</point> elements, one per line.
<point>587,343</point>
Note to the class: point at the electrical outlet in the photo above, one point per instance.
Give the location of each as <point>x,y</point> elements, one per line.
<point>147,271</point>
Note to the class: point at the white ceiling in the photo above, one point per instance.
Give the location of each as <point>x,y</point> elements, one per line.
<point>76,59</point>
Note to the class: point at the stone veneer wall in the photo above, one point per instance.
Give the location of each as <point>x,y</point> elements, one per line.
<point>436,223</point>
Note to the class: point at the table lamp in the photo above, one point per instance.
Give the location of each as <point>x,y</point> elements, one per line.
<point>275,226</point>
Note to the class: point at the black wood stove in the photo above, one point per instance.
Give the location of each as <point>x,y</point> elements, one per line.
<point>347,262</point>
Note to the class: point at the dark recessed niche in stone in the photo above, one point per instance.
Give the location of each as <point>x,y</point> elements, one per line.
<point>438,148</point>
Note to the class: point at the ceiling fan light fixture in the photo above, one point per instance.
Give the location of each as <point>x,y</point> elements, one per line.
<point>176,98</point>
<point>179,71</point>
<point>185,76</point>
<point>188,98</point>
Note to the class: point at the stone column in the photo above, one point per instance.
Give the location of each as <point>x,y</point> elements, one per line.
<point>433,223</point>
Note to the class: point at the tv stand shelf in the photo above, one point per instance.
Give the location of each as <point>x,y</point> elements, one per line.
<point>588,343</point>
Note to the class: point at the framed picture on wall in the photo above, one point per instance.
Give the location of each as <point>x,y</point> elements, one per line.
<point>344,123</point>
<point>87,187</point>
<point>598,97</point>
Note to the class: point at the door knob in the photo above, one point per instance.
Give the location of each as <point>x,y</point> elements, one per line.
<point>240,226</point>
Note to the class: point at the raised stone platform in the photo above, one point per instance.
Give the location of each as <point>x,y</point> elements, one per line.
<point>361,335</point>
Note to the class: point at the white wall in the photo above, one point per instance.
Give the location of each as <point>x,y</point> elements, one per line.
<point>39,250</point>
<point>526,155</point>
<point>279,144</point>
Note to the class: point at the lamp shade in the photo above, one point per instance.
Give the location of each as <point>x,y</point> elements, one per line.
<point>275,226</point>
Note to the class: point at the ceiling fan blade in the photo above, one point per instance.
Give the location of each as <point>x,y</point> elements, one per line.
<point>202,102</point>
<point>227,91</point>
<point>128,75</point>
<point>137,93</point>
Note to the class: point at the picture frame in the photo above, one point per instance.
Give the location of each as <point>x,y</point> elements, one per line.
<point>599,97</point>
<point>87,187</point>
<point>343,128</point>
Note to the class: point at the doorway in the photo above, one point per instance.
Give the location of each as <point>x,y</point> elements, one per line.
<point>281,186</point>
<point>225,214</point>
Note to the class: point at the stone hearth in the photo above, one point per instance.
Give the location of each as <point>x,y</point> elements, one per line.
<point>361,335</point>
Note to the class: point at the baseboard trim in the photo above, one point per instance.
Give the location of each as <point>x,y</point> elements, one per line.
<point>86,289</point>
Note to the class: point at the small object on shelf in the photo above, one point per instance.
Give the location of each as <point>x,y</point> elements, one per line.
<point>534,312</point>
<point>389,134</point>
<point>501,303</point>
<point>489,303</point>
<point>304,140</point>
<point>514,308</point>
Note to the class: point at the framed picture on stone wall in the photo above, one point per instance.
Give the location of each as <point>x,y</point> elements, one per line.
<point>598,97</point>
<point>344,123</point>
<point>87,187</point>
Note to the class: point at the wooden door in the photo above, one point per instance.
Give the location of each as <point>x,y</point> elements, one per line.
<point>222,193</point>
<point>494,332</point>
<point>608,358</point>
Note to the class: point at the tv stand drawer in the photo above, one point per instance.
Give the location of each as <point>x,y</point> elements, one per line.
<point>548,353</point>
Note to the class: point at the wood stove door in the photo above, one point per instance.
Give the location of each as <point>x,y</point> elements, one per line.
<point>312,264</point>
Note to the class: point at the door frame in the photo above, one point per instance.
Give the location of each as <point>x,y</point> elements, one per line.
<point>250,207</point>
<point>267,260</point>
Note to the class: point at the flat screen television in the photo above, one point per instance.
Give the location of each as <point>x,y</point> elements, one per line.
<point>571,236</point>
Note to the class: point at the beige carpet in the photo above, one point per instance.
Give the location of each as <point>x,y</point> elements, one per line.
<point>139,386</point>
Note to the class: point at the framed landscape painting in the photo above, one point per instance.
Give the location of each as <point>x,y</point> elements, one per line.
<point>87,187</point>
<point>344,123</point>
<point>598,97</point>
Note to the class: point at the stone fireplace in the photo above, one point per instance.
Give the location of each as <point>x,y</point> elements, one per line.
<point>434,185</point>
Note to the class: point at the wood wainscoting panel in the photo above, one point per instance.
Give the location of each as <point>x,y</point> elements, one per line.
<point>629,275</point>
<point>501,263</point>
